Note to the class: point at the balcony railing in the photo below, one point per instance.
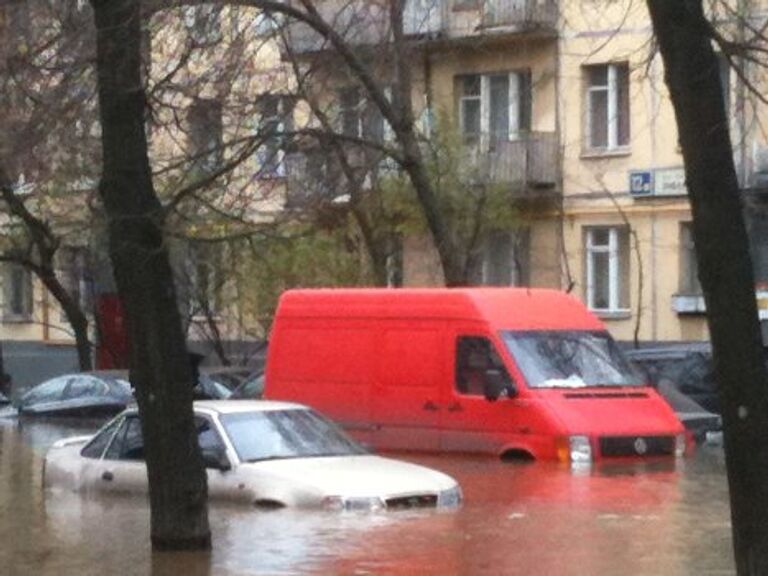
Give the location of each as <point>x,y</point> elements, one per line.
<point>315,176</point>
<point>530,160</point>
<point>365,23</point>
<point>524,14</point>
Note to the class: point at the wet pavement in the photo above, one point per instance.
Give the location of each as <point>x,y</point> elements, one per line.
<point>660,518</point>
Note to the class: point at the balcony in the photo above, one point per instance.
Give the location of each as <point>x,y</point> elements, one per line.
<point>363,23</point>
<point>315,175</point>
<point>529,161</point>
<point>519,14</point>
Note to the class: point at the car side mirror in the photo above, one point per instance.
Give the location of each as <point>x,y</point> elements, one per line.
<point>495,385</point>
<point>216,458</point>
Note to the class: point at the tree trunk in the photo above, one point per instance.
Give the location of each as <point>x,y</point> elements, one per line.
<point>160,367</point>
<point>724,267</point>
<point>74,314</point>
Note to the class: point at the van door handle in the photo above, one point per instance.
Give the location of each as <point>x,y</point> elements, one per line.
<point>455,407</point>
<point>107,476</point>
<point>430,406</point>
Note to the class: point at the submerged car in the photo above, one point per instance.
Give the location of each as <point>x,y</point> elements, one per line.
<point>4,399</point>
<point>265,454</point>
<point>252,388</point>
<point>85,394</point>
<point>684,375</point>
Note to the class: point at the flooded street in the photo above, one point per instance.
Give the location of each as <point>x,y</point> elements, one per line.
<point>652,519</point>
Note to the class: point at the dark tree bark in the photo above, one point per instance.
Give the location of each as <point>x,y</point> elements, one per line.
<point>45,245</point>
<point>160,368</point>
<point>725,268</point>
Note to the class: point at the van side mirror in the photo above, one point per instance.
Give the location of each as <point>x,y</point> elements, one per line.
<point>495,385</point>
<point>215,457</point>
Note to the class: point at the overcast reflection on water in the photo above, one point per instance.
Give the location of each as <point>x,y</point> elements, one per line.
<point>656,519</point>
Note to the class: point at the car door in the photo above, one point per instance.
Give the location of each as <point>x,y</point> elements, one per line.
<point>224,481</point>
<point>122,469</point>
<point>406,400</point>
<point>471,422</point>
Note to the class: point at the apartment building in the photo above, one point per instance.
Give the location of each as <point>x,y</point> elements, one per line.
<point>564,104</point>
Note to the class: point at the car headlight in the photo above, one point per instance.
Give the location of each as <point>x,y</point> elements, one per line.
<point>580,449</point>
<point>681,444</point>
<point>450,498</point>
<point>366,503</point>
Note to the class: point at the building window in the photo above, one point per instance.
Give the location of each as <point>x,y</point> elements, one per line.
<point>496,106</point>
<point>607,268</point>
<point>689,270</point>
<point>607,106</point>
<point>360,118</point>
<point>206,134</point>
<point>204,279</point>
<point>275,120</point>
<point>73,264</point>
<point>203,24</point>
<point>504,259</point>
<point>18,293</point>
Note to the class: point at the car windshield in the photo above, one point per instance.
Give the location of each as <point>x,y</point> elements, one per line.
<point>569,359</point>
<point>277,434</point>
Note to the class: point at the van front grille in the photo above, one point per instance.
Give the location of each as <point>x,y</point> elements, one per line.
<point>414,501</point>
<point>615,446</point>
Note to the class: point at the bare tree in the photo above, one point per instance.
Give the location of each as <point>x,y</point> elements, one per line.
<point>684,37</point>
<point>160,368</point>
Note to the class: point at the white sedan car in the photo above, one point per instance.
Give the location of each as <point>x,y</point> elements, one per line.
<point>266,454</point>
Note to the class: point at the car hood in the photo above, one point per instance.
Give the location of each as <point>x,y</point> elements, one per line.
<point>352,476</point>
<point>612,411</point>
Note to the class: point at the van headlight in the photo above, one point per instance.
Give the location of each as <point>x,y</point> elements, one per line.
<point>579,449</point>
<point>359,503</point>
<point>450,498</point>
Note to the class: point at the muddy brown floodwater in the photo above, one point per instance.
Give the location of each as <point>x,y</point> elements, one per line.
<point>659,518</point>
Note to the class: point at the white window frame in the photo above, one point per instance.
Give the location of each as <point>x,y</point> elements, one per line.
<point>612,106</point>
<point>263,155</point>
<point>613,249</point>
<point>513,96</point>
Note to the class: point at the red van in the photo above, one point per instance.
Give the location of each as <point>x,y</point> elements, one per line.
<point>514,372</point>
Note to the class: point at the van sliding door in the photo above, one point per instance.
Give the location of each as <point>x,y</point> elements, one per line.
<point>406,396</point>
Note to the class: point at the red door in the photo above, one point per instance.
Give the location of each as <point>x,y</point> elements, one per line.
<point>406,397</point>
<point>470,422</point>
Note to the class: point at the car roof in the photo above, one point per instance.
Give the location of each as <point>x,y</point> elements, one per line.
<point>239,406</point>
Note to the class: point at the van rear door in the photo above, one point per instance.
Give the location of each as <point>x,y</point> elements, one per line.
<point>406,397</point>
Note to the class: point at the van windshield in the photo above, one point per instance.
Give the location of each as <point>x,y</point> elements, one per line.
<point>569,359</point>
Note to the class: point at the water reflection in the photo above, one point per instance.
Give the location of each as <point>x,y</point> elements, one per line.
<point>655,518</point>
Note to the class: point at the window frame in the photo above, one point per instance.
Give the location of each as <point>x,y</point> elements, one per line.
<point>271,155</point>
<point>613,108</point>
<point>26,298</point>
<point>519,105</point>
<point>618,275</point>
<point>689,283</point>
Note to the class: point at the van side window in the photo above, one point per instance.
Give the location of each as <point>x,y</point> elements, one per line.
<point>474,357</point>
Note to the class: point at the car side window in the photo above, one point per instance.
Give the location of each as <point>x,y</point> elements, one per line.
<point>128,443</point>
<point>207,437</point>
<point>116,447</point>
<point>95,448</point>
<point>476,355</point>
<point>85,386</point>
<point>133,443</point>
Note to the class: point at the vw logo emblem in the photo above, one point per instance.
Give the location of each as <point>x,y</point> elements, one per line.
<point>641,447</point>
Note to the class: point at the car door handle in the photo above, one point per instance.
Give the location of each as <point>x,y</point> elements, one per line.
<point>107,476</point>
<point>455,407</point>
<point>430,406</point>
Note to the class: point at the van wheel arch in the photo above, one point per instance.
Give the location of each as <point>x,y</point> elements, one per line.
<point>517,455</point>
